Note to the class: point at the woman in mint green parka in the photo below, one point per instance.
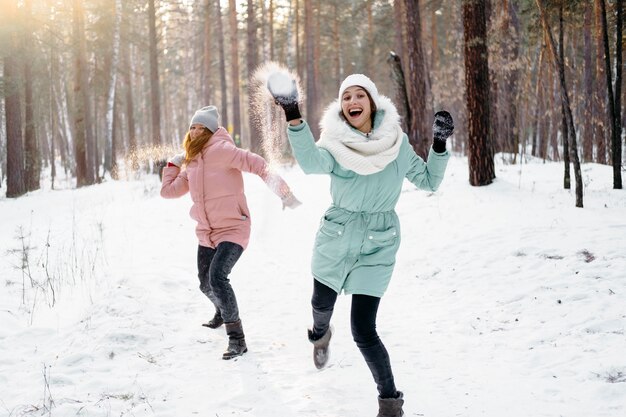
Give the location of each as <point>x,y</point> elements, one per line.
<point>363,149</point>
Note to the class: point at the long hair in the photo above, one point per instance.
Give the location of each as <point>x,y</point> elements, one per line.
<point>194,146</point>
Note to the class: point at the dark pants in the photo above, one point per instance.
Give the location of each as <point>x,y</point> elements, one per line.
<point>214,266</point>
<point>363,324</point>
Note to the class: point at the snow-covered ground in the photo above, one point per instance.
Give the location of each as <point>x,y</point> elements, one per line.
<point>507,300</point>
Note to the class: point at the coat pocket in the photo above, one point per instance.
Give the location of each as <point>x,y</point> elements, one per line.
<point>330,241</point>
<point>380,240</point>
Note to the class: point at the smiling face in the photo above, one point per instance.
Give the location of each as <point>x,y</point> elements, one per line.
<point>357,108</point>
<point>196,130</point>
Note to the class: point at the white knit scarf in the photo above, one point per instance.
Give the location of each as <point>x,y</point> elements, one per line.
<point>354,150</point>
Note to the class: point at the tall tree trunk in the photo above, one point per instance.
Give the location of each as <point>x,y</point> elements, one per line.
<point>480,150</point>
<point>564,129</point>
<point>54,110</point>
<point>115,53</point>
<point>401,98</point>
<point>600,107</point>
<point>539,92</point>
<point>81,100</point>
<point>612,112</point>
<point>32,153</point>
<point>256,145</point>
<point>234,70</point>
<point>419,128</point>
<point>559,69</point>
<point>312,84</point>
<point>130,106</point>
<point>369,63</point>
<point>155,94</point>
<point>337,55</point>
<point>207,79</point>
<point>271,30</point>
<point>222,66</point>
<point>616,145</point>
<point>16,184</point>
<point>587,130</point>
<point>299,66</point>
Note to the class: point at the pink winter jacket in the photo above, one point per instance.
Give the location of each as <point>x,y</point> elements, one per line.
<point>215,183</point>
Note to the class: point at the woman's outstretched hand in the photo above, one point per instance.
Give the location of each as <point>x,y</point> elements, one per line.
<point>443,126</point>
<point>285,92</point>
<point>290,201</point>
<point>178,159</point>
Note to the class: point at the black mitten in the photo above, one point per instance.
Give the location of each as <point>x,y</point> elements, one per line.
<point>443,126</point>
<point>285,92</point>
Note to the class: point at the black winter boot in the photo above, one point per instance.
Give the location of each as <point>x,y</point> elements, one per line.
<point>320,348</point>
<point>391,407</point>
<point>216,321</point>
<point>236,340</point>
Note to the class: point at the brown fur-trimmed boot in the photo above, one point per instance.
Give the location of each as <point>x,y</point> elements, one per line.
<point>391,407</point>
<point>320,348</point>
<point>236,340</point>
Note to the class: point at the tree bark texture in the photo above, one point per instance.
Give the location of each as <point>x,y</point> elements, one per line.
<point>417,88</point>
<point>234,71</point>
<point>480,149</point>
<point>155,93</point>
<point>559,69</point>
<point>222,65</point>
<point>312,84</point>
<point>256,144</point>
<point>80,95</point>
<point>564,129</point>
<point>16,184</point>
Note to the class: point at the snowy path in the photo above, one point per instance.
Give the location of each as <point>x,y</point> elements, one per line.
<point>496,306</point>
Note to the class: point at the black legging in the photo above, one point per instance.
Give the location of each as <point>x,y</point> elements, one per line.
<point>214,266</point>
<point>363,325</point>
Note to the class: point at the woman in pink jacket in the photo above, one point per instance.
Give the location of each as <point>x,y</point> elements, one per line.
<point>212,175</point>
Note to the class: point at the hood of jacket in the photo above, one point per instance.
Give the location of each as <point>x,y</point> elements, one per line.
<point>362,153</point>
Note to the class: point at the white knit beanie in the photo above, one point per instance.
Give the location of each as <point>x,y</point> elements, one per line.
<point>362,81</point>
<point>207,117</point>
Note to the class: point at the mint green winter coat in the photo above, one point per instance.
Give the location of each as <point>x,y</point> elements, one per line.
<point>359,235</point>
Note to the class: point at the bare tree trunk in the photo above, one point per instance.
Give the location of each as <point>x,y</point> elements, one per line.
<point>587,131</point>
<point>612,108</point>
<point>536,141</point>
<point>616,146</point>
<point>16,184</point>
<point>402,101</point>
<point>271,30</point>
<point>207,84</point>
<point>54,111</point>
<point>480,149</point>
<point>564,129</point>
<point>252,57</point>
<point>369,63</point>
<point>299,66</point>
<point>559,68</point>
<point>155,94</point>
<point>81,101</point>
<point>312,84</point>
<point>222,66</point>
<point>600,108</point>
<point>234,70</point>
<point>115,53</point>
<point>337,55</point>
<point>32,153</point>
<point>130,106</point>
<point>419,128</point>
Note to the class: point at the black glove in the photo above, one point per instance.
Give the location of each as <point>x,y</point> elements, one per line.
<point>285,92</point>
<point>443,126</point>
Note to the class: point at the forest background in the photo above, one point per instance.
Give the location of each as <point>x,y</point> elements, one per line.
<point>107,87</point>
